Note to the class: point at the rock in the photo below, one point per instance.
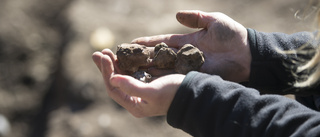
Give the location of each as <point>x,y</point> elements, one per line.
<point>189,58</point>
<point>142,76</point>
<point>132,56</point>
<point>165,57</point>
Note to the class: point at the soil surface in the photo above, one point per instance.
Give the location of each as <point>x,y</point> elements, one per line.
<point>49,85</point>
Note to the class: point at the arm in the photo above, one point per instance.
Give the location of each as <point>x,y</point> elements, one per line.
<point>274,67</point>
<point>206,105</point>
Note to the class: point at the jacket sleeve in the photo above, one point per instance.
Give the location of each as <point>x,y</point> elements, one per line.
<point>206,106</point>
<point>276,58</point>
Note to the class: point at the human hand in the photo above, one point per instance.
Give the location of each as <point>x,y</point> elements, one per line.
<point>139,98</point>
<point>223,41</point>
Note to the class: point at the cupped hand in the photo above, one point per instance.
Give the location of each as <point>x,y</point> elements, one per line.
<point>139,98</point>
<point>223,41</point>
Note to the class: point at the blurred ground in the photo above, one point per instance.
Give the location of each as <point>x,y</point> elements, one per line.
<point>49,87</point>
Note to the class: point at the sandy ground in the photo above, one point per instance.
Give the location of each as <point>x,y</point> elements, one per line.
<point>49,85</point>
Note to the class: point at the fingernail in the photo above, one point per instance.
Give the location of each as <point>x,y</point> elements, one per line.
<point>134,41</point>
<point>140,40</point>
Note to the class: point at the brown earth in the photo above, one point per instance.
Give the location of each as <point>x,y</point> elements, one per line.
<point>49,86</point>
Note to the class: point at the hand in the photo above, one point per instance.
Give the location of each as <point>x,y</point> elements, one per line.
<point>223,41</point>
<point>140,99</point>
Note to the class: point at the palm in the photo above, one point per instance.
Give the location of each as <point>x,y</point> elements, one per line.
<point>222,46</point>
<point>222,40</point>
<point>140,99</point>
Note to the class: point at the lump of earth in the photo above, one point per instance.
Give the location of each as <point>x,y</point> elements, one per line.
<point>164,57</point>
<point>189,58</point>
<point>132,56</point>
<point>159,46</point>
<point>142,76</point>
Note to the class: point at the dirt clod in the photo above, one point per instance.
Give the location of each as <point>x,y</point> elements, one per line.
<point>142,76</point>
<point>165,57</point>
<point>132,56</point>
<point>189,58</point>
<point>159,46</point>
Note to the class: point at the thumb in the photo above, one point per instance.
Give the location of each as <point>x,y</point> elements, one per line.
<point>129,85</point>
<point>194,18</point>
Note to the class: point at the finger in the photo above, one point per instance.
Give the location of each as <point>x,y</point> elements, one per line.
<point>109,53</point>
<point>107,70</point>
<point>114,60</point>
<point>194,18</point>
<point>116,94</point>
<point>128,102</point>
<point>172,40</point>
<point>131,86</point>
<point>96,57</point>
<point>113,92</point>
